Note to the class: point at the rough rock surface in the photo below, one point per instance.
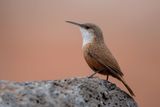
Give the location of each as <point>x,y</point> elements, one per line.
<point>74,92</point>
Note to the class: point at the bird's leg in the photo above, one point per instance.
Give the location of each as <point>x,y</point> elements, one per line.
<point>96,72</point>
<point>92,74</point>
<point>107,77</point>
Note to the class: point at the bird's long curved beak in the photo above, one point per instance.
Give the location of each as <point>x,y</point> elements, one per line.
<point>75,23</point>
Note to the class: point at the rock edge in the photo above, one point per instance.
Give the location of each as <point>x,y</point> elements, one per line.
<point>73,92</point>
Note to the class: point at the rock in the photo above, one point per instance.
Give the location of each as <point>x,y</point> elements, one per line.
<point>74,92</point>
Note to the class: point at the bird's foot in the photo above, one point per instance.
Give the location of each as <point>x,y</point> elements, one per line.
<point>91,76</point>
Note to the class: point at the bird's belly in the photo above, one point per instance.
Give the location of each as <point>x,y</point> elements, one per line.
<point>95,65</point>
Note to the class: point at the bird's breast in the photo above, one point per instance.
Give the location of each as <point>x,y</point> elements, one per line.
<point>92,62</point>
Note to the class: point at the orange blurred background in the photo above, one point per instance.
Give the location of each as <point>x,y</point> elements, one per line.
<point>37,44</point>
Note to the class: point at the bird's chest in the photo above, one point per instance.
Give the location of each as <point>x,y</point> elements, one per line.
<point>90,59</point>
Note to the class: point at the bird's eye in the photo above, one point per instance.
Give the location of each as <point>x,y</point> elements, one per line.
<point>87,27</point>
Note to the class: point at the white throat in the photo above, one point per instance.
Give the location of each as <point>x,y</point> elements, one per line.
<point>87,36</point>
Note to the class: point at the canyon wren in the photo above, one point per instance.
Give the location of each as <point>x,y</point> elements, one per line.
<point>97,55</point>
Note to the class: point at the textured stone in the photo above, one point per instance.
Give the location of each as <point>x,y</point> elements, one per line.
<point>74,92</point>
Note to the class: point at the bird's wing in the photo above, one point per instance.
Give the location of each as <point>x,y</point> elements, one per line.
<point>107,60</point>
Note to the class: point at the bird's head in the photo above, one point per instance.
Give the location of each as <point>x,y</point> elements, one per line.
<point>90,32</point>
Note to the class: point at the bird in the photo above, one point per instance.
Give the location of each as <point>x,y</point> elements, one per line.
<point>97,55</point>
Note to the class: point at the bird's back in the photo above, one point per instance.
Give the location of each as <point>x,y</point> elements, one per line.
<point>99,57</point>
